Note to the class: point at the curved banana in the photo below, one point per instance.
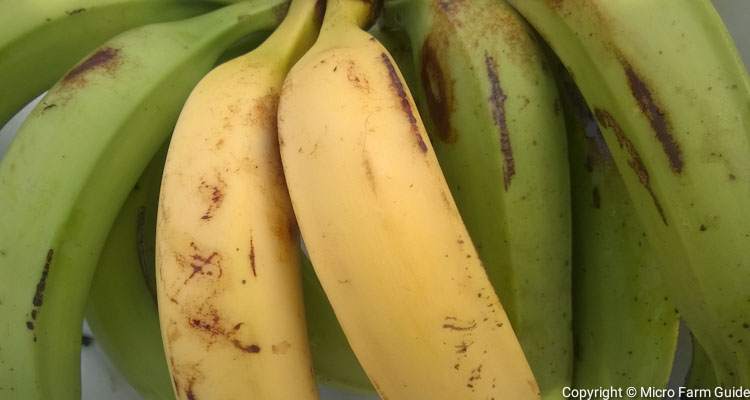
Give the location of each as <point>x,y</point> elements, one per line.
<point>672,102</point>
<point>68,172</point>
<point>491,106</point>
<point>381,227</point>
<point>122,302</point>
<point>227,256</point>
<point>41,39</point>
<point>625,329</point>
<point>124,291</point>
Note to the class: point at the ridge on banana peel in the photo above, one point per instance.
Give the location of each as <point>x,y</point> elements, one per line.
<point>491,106</point>
<point>625,329</point>
<point>672,104</point>
<point>69,170</point>
<point>227,254</point>
<point>382,231</point>
<point>41,39</point>
<point>121,308</point>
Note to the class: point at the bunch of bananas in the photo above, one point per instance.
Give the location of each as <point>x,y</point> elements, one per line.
<point>428,199</point>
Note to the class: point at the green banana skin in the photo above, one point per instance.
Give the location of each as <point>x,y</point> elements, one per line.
<point>625,330</point>
<point>490,104</point>
<point>41,39</point>
<point>701,374</point>
<point>69,171</point>
<point>333,359</point>
<point>671,94</point>
<point>121,309</point>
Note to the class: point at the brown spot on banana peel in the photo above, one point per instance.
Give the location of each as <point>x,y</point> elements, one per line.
<point>655,115</point>
<point>369,173</point>
<point>320,11</point>
<point>398,87</point>
<point>215,195</point>
<point>75,11</point>
<point>606,120</point>
<point>199,263</point>
<point>497,101</point>
<point>251,348</point>
<point>437,89</point>
<point>455,324</point>
<point>252,258</point>
<point>41,285</point>
<point>106,58</point>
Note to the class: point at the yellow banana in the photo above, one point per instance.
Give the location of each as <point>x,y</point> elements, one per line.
<point>229,290</point>
<point>382,230</point>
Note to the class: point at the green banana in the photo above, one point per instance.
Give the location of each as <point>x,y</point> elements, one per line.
<point>625,330</point>
<point>672,101</point>
<point>41,39</point>
<point>333,360</point>
<point>70,169</point>
<point>491,106</point>
<point>701,374</point>
<point>121,309</point>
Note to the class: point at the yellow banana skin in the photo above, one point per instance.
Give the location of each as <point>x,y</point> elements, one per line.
<point>228,279</point>
<point>122,310</point>
<point>382,230</point>
<point>625,329</point>
<point>672,100</point>
<point>491,106</point>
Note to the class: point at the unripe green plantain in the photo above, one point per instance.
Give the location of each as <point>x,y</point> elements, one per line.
<point>666,85</point>
<point>122,302</point>
<point>70,169</point>
<point>492,110</point>
<point>701,374</point>
<point>41,39</point>
<point>625,328</point>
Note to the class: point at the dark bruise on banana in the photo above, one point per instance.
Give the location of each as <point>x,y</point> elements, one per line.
<point>439,89</point>
<point>213,192</point>
<point>497,100</point>
<point>655,115</point>
<point>38,298</point>
<point>106,59</point>
<point>406,106</point>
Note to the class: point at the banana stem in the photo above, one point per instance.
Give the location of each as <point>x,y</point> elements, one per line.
<point>345,13</point>
<point>302,21</point>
